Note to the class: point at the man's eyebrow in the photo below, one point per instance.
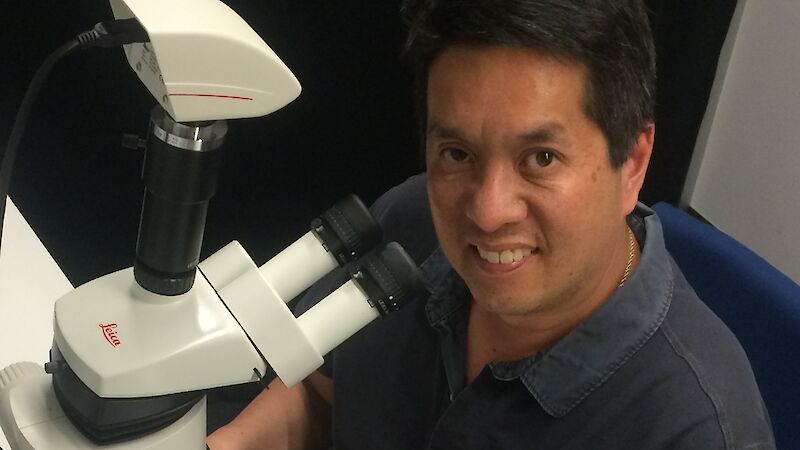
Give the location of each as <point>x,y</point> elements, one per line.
<point>546,132</point>
<point>437,129</point>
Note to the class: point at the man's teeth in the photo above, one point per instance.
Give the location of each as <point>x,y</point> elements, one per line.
<point>504,257</point>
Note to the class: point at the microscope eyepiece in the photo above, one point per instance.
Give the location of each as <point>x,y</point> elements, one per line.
<point>347,229</point>
<point>389,277</point>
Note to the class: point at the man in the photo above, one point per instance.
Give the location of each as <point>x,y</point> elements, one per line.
<point>555,319</point>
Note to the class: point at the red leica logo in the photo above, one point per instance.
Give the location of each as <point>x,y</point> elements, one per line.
<point>110,334</point>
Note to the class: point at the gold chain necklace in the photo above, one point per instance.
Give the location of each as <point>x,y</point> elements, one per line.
<point>630,259</point>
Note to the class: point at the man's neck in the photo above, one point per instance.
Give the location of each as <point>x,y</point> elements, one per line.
<point>496,338</point>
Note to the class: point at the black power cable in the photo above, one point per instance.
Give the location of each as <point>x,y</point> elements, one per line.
<point>12,147</point>
<point>104,34</point>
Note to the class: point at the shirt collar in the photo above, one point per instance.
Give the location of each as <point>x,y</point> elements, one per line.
<point>448,291</point>
<point>561,377</point>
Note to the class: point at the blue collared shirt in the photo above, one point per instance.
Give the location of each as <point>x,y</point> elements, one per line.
<point>651,368</point>
<point>562,376</point>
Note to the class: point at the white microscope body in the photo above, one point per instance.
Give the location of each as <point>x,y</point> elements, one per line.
<point>135,351</point>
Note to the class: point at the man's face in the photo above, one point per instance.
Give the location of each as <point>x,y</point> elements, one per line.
<point>525,202</point>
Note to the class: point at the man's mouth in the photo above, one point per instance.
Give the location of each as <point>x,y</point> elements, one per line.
<point>507,256</point>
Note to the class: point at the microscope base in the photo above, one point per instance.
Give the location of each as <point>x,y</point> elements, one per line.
<point>32,419</point>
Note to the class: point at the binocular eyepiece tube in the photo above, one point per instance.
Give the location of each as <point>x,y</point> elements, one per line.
<point>340,235</point>
<point>382,277</point>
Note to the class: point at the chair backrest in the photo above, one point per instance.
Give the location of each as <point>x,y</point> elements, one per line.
<point>755,300</point>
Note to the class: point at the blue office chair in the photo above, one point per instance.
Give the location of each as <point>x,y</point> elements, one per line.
<point>755,300</point>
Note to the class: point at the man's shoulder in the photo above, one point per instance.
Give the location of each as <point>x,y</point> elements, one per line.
<point>711,377</point>
<point>404,215</point>
<point>689,380</point>
<point>700,338</point>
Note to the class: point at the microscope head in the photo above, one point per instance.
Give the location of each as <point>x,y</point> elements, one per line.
<point>204,62</point>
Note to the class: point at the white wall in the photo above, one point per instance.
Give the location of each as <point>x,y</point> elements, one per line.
<point>745,173</point>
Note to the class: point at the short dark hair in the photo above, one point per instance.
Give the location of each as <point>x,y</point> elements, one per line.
<point>611,38</point>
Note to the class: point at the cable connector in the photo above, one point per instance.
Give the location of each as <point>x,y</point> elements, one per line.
<point>113,34</point>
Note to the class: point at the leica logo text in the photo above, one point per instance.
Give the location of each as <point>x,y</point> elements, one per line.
<point>110,334</point>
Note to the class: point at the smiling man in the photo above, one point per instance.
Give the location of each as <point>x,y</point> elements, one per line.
<point>528,208</point>
<point>555,318</point>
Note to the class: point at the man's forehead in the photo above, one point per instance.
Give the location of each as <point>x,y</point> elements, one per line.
<point>500,73</point>
<point>545,131</point>
<point>530,95</point>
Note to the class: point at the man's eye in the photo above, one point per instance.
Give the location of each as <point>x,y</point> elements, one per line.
<point>535,162</point>
<point>544,158</point>
<point>455,154</point>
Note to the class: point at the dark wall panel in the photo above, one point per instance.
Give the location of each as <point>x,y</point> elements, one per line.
<point>689,36</point>
<point>351,130</point>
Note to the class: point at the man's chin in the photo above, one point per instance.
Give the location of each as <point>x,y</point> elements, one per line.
<point>503,304</point>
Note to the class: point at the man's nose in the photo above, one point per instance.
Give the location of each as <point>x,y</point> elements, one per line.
<point>496,201</point>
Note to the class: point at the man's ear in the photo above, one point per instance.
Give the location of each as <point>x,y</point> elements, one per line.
<point>634,169</point>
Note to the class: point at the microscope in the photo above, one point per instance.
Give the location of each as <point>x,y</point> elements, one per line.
<point>135,352</point>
